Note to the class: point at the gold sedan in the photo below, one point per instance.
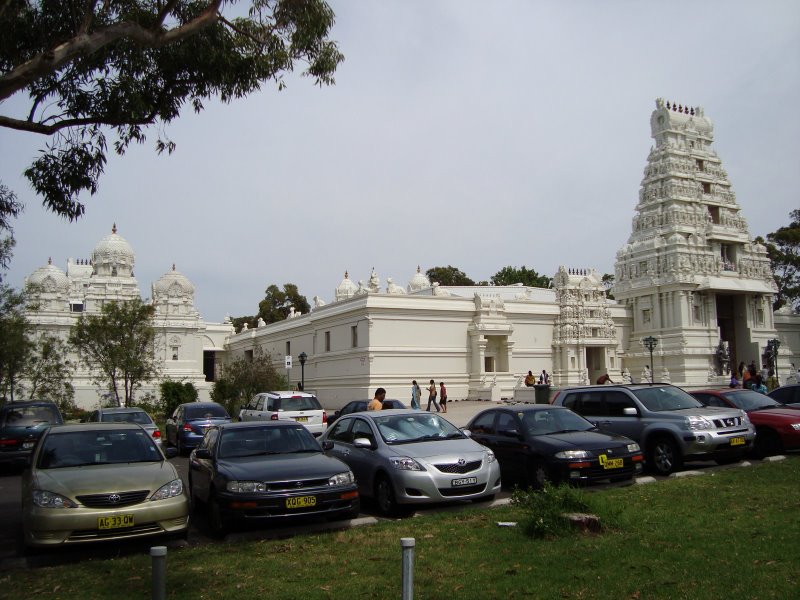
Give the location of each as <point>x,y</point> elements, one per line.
<point>100,481</point>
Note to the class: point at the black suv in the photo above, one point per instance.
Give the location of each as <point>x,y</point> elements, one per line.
<point>21,426</point>
<point>668,423</point>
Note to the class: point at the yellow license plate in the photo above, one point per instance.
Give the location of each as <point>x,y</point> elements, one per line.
<point>301,502</point>
<point>301,419</point>
<point>115,522</point>
<point>737,441</point>
<point>611,463</point>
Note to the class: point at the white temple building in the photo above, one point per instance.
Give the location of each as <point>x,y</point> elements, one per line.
<point>689,277</point>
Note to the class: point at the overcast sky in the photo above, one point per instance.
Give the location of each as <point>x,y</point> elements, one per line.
<point>464,133</point>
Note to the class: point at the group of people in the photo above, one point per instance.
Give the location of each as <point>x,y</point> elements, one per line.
<point>748,377</point>
<point>544,379</point>
<point>434,393</point>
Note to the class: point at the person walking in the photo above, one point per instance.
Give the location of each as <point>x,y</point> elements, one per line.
<point>443,396</point>
<point>432,397</point>
<point>416,392</point>
<point>377,402</point>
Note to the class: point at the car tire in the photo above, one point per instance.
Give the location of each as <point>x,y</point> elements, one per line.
<point>663,456</point>
<point>536,475</point>
<point>386,500</point>
<point>216,520</point>
<point>767,443</point>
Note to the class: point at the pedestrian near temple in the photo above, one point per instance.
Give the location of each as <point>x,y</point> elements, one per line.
<point>443,396</point>
<point>432,397</point>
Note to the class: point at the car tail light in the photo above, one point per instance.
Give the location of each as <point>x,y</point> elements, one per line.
<point>157,434</point>
<point>637,458</point>
<point>324,417</point>
<point>273,417</point>
<point>8,442</point>
<point>187,427</point>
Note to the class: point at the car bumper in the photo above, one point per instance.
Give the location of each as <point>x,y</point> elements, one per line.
<point>56,526</point>
<point>278,506</point>
<point>577,471</point>
<point>709,444</point>
<point>16,458</point>
<point>430,486</point>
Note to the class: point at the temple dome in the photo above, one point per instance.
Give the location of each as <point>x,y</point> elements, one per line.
<point>418,282</point>
<point>50,279</point>
<point>346,288</point>
<point>113,255</point>
<point>173,284</point>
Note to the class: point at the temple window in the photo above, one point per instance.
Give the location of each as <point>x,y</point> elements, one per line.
<point>707,190</point>
<point>700,165</point>
<point>175,353</point>
<point>113,271</point>
<point>354,335</point>
<point>488,364</point>
<point>76,307</point>
<point>327,341</point>
<point>288,348</point>
<point>248,355</point>
<point>646,315</point>
<point>760,317</point>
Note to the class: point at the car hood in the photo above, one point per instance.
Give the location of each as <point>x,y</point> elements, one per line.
<point>583,440</point>
<point>98,479</point>
<point>775,414</point>
<point>281,467</point>
<point>437,449</point>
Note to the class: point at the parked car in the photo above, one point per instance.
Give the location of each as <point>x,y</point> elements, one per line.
<point>669,425</point>
<point>262,470</point>
<point>535,443</point>
<point>21,425</point>
<point>777,427</point>
<point>301,407</point>
<point>188,424</point>
<point>360,406</point>
<point>787,394</point>
<point>404,458</point>
<point>132,414</point>
<point>93,482</point>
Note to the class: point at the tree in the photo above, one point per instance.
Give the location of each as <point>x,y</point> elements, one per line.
<point>277,304</point>
<point>90,68</point>
<point>783,249</point>
<point>119,346</point>
<point>448,276</point>
<point>15,342</point>
<point>511,275</point>
<point>175,393</point>
<point>48,372</point>
<point>608,283</point>
<point>243,378</point>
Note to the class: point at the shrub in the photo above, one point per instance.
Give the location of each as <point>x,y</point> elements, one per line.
<point>174,393</point>
<point>545,511</point>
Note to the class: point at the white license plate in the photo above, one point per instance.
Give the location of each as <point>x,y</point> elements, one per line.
<point>464,481</point>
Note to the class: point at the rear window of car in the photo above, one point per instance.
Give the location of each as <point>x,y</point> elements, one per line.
<point>24,416</point>
<point>299,403</point>
<point>134,416</point>
<point>207,411</point>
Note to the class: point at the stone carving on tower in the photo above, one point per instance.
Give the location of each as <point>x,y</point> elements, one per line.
<point>690,273</point>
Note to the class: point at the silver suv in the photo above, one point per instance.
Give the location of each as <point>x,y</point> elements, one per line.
<point>301,407</point>
<point>670,425</point>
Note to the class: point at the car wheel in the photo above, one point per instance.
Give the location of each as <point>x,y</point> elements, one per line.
<point>387,503</point>
<point>537,475</point>
<point>767,443</point>
<point>664,456</point>
<point>216,520</point>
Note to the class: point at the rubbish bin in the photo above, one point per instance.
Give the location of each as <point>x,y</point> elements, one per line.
<point>542,393</point>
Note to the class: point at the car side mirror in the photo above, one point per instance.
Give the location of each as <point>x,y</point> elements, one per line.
<point>170,452</point>
<point>363,443</point>
<point>630,411</point>
<point>467,432</point>
<point>202,453</point>
<point>327,445</point>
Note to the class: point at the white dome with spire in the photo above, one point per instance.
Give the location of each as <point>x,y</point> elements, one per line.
<point>173,284</point>
<point>49,279</point>
<point>113,256</point>
<point>418,282</point>
<point>346,288</point>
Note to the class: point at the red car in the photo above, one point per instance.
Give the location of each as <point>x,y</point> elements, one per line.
<point>777,427</point>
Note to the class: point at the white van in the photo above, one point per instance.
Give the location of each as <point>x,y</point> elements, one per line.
<point>294,406</point>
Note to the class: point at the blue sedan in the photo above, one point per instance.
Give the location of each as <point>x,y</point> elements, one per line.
<point>189,423</point>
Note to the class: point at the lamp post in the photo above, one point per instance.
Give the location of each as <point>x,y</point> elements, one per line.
<point>303,357</point>
<point>650,343</point>
<point>772,354</point>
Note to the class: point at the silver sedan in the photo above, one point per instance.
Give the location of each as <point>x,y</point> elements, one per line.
<point>403,458</point>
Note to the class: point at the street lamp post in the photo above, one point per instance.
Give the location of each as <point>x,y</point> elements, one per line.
<point>650,343</point>
<point>303,357</point>
<point>772,354</point>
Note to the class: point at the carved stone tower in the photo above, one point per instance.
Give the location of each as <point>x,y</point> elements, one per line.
<point>690,273</point>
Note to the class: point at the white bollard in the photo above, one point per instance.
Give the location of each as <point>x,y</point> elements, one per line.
<point>408,567</point>
<point>159,556</point>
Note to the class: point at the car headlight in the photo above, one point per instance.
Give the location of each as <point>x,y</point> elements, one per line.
<point>573,454</point>
<point>745,419</point>
<point>404,463</point>
<point>45,499</point>
<point>490,457</point>
<point>796,426</point>
<point>170,490</point>
<point>342,479</point>
<point>698,423</point>
<point>245,487</point>
<point>634,447</point>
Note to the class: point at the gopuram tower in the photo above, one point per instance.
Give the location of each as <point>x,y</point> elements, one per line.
<point>690,274</point>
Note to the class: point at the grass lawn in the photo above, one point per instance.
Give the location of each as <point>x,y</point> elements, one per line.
<point>727,535</point>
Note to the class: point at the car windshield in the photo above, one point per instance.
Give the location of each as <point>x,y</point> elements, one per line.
<point>299,403</point>
<point>750,400</point>
<point>664,398</point>
<point>258,441</point>
<point>544,422</point>
<point>133,416</point>
<point>206,411</point>
<point>25,416</point>
<point>96,447</point>
<point>405,429</point>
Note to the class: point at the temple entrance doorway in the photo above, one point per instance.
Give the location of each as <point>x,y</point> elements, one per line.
<point>595,363</point>
<point>734,328</point>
